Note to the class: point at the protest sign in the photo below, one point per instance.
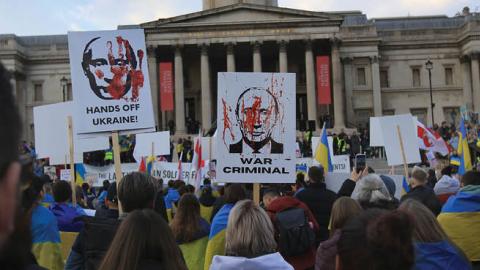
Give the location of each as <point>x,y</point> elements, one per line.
<point>376,137</point>
<point>51,140</point>
<point>144,142</point>
<point>340,163</point>
<point>256,127</point>
<point>110,81</point>
<point>165,170</point>
<point>390,126</point>
<point>51,171</point>
<point>65,174</point>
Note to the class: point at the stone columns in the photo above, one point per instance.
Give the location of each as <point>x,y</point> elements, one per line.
<point>153,75</point>
<point>179,92</point>
<point>206,94</point>
<point>310,78</point>
<point>377,94</point>
<point>282,56</point>
<point>467,82</point>
<point>230,57</point>
<point>476,82</point>
<point>257,58</point>
<point>338,94</point>
<point>348,79</point>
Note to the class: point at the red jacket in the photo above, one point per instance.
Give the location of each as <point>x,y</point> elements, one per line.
<point>306,260</point>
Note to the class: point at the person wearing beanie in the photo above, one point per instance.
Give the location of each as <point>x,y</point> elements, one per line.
<point>319,199</point>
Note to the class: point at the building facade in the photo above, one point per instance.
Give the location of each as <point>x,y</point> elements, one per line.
<point>377,66</point>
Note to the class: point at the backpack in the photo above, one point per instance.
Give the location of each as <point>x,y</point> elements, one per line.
<point>295,236</point>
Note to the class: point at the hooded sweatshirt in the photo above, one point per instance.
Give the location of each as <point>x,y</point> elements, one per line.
<point>446,185</point>
<point>269,261</point>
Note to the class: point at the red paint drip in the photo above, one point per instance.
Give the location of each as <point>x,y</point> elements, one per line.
<point>227,124</point>
<point>99,73</point>
<point>137,77</point>
<point>252,115</point>
<point>111,58</point>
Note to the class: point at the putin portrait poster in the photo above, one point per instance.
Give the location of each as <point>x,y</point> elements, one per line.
<point>111,88</point>
<point>256,127</point>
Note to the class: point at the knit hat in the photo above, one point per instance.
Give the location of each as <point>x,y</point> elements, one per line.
<point>390,184</point>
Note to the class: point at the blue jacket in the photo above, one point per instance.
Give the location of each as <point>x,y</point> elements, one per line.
<point>438,256</point>
<point>67,217</point>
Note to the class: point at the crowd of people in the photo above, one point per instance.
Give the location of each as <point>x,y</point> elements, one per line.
<point>144,223</point>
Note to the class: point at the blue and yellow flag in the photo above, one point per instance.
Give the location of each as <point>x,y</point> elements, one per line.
<point>463,150</point>
<point>405,186</point>
<point>79,174</point>
<point>460,219</point>
<point>46,239</point>
<point>322,155</point>
<point>150,161</point>
<point>216,239</point>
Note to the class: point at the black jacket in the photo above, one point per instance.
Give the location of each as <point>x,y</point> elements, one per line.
<point>320,201</point>
<point>347,188</point>
<point>426,196</point>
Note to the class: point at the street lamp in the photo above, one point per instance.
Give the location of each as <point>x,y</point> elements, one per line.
<point>63,83</point>
<point>429,67</point>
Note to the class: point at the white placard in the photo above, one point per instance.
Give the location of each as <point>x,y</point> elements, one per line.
<point>143,144</point>
<point>51,141</point>
<point>391,140</point>
<point>111,87</point>
<point>65,174</point>
<point>256,127</point>
<point>376,136</point>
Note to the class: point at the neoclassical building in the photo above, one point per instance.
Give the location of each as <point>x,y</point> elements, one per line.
<point>376,66</point>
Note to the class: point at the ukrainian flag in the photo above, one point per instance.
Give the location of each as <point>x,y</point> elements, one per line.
<point>46,239</point>
<point>460,219</point>
<point>405,186</point>
<point>322,154</point>
<point>463,150</point>
<point>194,253</point>
<point>150,161</point>
<point>79,174</point>
<point>216,239</point>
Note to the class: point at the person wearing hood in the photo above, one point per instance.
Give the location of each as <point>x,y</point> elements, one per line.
<point>433,248</point>
<point>274,204</point>
<point>460,217</point>
<point>249,241</point>
<point>447,185</point>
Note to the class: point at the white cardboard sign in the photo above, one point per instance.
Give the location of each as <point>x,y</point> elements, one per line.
<point>408,129</point>
<point>256,127</point>
<point>111,87</point>
<point>376,136</point>
<point>65,174</point>
<point>51,139</point>
<point>143,144</point>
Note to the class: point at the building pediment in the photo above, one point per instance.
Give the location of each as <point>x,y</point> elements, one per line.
<point>242,14</point>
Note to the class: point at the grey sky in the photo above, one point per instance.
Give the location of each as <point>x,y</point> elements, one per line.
<point>42,17</point>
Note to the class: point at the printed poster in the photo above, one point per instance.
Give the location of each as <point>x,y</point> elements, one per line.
<point>111,87</point>
<point>255,140</point>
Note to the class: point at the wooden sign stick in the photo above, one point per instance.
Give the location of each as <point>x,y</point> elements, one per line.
<point>71,151</point>
<point>117,163</point>
<point>256,193</point>
<point>405,167</point>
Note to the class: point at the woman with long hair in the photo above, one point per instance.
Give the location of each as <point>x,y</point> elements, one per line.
<point>187,225</point>
<point>191,231</point>
<point>343,209</point>
<point>433,248</point>
<point>143,241</point>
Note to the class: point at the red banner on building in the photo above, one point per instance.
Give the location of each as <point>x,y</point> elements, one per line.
<point>324,96</point>
<point>165,74</point>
